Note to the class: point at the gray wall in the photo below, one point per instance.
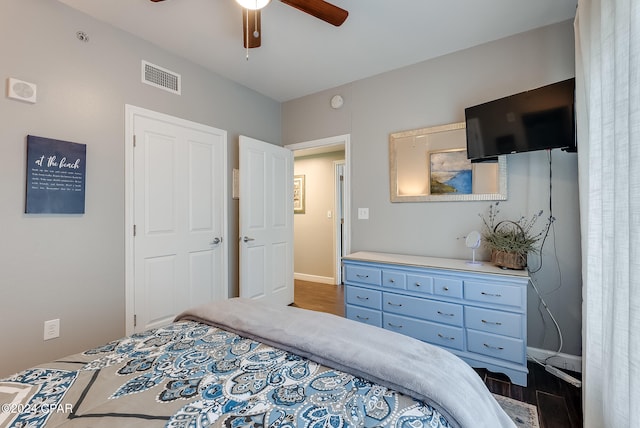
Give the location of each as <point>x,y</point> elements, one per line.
<point>436,92</point>
<point>72,266</point>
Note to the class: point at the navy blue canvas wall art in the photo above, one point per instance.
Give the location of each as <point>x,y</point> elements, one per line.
<point>56,172</point>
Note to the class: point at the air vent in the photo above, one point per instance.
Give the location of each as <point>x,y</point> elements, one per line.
<point>160,77</point>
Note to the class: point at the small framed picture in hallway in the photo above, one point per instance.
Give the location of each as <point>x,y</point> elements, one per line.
<point>298,194</point>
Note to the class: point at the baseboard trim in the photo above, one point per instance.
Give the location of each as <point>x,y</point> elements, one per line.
<point>561,360</point>
<point>314,278</point>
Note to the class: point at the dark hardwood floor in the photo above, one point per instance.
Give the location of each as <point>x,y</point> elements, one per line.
<point>559,403</point>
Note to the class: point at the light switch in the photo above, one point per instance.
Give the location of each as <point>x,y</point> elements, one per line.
<point>329,215</point>
<point>363,213</point>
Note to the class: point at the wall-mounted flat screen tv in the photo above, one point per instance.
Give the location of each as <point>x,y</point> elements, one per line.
<point>538,119</point>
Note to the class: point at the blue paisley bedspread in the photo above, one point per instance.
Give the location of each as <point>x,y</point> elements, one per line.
<point>194,375</point>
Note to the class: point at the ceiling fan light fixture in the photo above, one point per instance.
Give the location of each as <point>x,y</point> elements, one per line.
<point>253,4</point>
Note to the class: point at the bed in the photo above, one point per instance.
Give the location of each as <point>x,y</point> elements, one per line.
<point>242,363</point>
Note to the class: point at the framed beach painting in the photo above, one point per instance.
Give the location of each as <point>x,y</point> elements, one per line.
<point>450,172</point>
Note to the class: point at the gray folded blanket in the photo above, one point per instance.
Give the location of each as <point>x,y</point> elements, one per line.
<point>404,364</point>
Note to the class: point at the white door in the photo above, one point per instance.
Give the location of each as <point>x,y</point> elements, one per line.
<point>179,187</point>
<point>266,221</point>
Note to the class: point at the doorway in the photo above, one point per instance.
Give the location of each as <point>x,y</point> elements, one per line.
<point>338,192</point>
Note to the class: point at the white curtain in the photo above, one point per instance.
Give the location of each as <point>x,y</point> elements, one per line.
<point>608,117</point>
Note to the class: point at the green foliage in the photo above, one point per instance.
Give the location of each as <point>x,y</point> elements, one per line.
<point>511,236</point>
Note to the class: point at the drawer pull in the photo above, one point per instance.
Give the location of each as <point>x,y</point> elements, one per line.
<point>362,318</point>
<point>392,280</point>
<point>498,348</point>
<point>362,276</point>
<point>491,322</point>
<point>445,288</point>
<point>418,284</point>
<point>445,314</point>
<point>394,304</point>
<point>441,336</point>
<point>491,295</point>
<point>394,325</point>
<point>362,298</point>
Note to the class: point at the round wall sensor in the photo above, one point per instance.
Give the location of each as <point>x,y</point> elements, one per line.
<point>336,101</point>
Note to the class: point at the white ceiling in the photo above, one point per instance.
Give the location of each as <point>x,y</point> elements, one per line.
<point>301,55</point>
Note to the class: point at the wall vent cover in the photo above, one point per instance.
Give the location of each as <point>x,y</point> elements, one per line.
<point>161,77</point>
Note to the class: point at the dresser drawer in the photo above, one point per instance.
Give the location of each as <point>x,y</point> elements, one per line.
<point>420,283</point>
<point>364,297</point>
<point>394,279</point>
<point>492,345</point>
<point>432,310</point>
<point>365,275</point>
<point>499,294</point>
<point>437,334</point>
<point>504,323</point>
<point>365,315</point>
<point>448,287</point>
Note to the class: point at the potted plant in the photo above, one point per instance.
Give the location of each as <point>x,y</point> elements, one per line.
<point>511,241</point>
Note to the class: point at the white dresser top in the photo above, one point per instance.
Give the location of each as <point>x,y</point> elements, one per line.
<point>434,262</point>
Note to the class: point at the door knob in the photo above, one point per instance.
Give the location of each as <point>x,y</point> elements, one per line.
<point>216,241</point>
<point>247,239</point>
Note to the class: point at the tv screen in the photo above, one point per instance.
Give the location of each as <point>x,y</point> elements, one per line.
<point>538,119</point>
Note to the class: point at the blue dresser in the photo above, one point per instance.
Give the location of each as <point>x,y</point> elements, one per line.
<point>477,312</point>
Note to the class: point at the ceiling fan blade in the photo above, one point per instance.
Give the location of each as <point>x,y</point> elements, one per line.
<point>321,10</point>
<point>252,28</point>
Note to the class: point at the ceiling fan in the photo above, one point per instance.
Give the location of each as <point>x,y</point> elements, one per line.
<point>251,21</point>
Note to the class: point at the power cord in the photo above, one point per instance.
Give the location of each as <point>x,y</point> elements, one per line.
<point>549,368</point>
<point>533,283</point>
<point>551,217</point>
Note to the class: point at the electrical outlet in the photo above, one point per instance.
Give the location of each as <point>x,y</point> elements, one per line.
<point>363,213</point>
<point>51,329</point>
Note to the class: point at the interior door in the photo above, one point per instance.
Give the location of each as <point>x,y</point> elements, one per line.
<point>179,170</point>
<point>266,221</point>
